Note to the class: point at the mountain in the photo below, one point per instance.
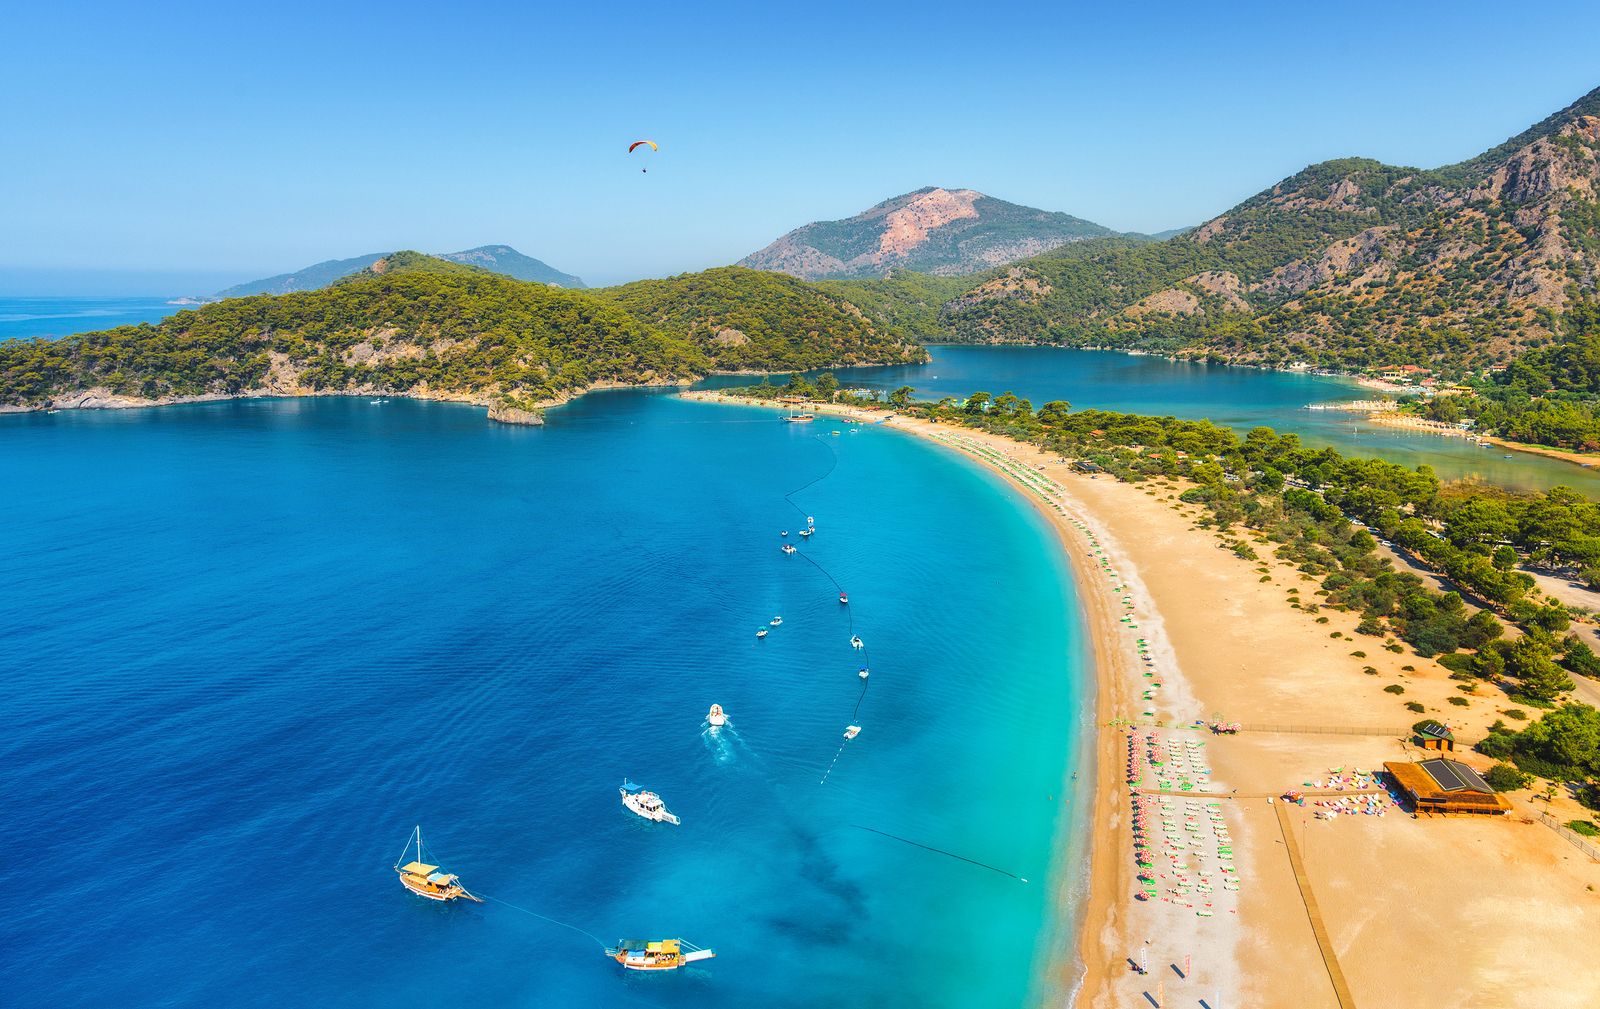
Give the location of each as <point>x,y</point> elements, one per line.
<point>506,260</point>
<point>430,328</point>
<point>501,259</point>
<point>940,231</point>
<point>1349,263</point>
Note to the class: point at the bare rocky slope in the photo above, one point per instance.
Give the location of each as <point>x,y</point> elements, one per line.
<point>946,232</point>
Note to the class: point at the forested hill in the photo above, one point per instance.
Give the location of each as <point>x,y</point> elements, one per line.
<point>1348,263</point>
<point>750,320</point>
<point>416,325</point>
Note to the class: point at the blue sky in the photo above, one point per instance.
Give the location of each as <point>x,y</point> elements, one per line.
<point>161,148</point>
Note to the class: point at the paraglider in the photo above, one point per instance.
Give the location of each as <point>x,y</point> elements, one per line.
<point>642,143</point>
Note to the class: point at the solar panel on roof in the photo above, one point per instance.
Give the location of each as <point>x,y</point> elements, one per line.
<point>1452,776</point>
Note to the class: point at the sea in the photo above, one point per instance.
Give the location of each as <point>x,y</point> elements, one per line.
<point>250,645</point>
<point>52,317</point>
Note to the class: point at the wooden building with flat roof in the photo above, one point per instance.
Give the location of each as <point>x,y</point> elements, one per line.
<point>1442,785</point>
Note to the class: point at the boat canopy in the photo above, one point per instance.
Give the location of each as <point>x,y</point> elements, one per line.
<point>628,786</point>
<point>664,946</point>
<point>441,879</point>
<point>632,945</point>
<point>418,869</point>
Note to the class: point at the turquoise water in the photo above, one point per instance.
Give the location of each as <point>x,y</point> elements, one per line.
<point>1241,398</point>
<point>22,317</point>
<point>249,645</point>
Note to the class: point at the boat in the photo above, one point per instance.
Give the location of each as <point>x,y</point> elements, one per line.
<point>806,532</point>
<point>716,717</point>
<point>665,954</point>
<point>761,632</point>
<point>426,880</point>
<point>852,731</point>
<point>856,642</point>
<point>811,521</point>
<point>844,599</point>
<point>784,533</point>
<point>795,416</point>
<point>646,804</point>
<point>862,672</point>
<point>776,621</point>
<point>789,548</point>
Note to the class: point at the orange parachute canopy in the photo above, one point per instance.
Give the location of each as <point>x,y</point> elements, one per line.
<point>641,143</point>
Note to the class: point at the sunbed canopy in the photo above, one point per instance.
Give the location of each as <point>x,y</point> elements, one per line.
<point>417,868</point>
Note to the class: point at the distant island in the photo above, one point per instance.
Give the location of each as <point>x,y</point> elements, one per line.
<point>502,259</point>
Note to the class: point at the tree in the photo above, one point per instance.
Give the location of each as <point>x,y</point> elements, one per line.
<point>976,402</point>
<point>1568,738</point>
<point>901,396</point>
<point>827,386</point>
<point>1528,659</point>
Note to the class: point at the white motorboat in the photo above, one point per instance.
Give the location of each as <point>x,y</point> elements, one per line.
<point>789,548</point>
<point>716,716</point>
<point>862,673</point>
<point>856,642</point>
<point>761,632</point>
<point>776,621</point>
<point>645,804</point>
<point>852,731</point>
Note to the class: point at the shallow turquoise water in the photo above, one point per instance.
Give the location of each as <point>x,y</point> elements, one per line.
<point>251,644</point>
<point>1240,398</point>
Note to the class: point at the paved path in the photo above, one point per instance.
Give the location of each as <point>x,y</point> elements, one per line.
<point>1341,989</point>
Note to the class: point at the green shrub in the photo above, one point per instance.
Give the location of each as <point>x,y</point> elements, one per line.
<point>1456,662</point>
<point>1506,778</point>
<point>1417,707</point>
<point>1459,702</point>
<point>1516,713</point>
<point>1585,827</point>
<point>1358,655</point>
<point>1394,688</point>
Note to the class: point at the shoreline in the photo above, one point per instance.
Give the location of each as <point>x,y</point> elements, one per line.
<point>1206,634</point>
<point>1397,420</point>
<point>1072,971</point>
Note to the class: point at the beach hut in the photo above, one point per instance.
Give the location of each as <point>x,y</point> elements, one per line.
<point>1444,786</point>
<point>1434,736</point>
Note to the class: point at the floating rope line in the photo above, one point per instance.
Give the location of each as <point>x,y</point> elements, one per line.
<point>552,921</point>
<point>850,617</point>
<point>941,851</point>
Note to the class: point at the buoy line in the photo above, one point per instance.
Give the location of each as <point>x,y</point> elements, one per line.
<point>941,851</point>
<point>850,617</point>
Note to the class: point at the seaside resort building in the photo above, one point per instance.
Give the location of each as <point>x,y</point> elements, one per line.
<point>1442,785</point>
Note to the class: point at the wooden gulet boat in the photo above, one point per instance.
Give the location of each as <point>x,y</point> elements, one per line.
<point>664,954</point>
<point>426,880</point>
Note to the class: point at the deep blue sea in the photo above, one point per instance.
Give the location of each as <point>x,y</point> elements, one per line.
<point>250,645</point>
<point>21,317</point>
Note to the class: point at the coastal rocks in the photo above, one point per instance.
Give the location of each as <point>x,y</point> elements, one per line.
<point>504,413</point>
<point>730,337</point>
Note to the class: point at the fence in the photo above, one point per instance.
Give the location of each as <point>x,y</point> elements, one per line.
<point>1576,839</point>
<point>1335,730</point>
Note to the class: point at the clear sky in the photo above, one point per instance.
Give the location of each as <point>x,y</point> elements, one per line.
<point>160,148</point>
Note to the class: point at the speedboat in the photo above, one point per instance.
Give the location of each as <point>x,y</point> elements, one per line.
<point>788,548</point>
<point>844,599</point>
<point>761,632</point>
<point>806,532</point>
<point>862,673</point>
<point>856,642</point>
<point>667,954</point>
<point>852,731</point>
<point>716,717</point>
<point>426,880</point>
<point>645,804</point>
<point>784,533</point>
<point>776,621</point>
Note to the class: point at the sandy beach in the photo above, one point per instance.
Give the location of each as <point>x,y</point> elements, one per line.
<point>1185,631</point>
<point>1395,419</point>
